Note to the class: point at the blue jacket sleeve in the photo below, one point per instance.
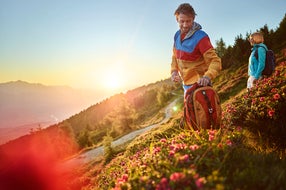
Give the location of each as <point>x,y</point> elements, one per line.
<point>261,62</point>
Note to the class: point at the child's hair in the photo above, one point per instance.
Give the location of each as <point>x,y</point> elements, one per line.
<point>256,37</point>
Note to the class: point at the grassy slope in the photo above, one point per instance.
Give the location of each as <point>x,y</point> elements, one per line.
<point>170,157</point>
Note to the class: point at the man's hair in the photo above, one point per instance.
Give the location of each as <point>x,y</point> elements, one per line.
<point>185,9</point>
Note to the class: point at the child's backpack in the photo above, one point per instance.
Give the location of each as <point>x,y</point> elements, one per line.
<point>202,109</point>
<point>269,61</point>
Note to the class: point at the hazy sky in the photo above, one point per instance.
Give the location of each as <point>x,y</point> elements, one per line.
<point>104,44</point>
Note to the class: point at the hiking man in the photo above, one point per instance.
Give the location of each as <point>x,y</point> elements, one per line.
<point>194,59</point>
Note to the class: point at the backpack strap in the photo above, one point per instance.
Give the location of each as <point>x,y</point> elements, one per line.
<point>256,51</point>
<point>210,108</point>
<point>189,96</point>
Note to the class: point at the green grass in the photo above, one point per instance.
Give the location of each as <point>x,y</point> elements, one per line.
<point>170,157</point>
<point>246,153</point>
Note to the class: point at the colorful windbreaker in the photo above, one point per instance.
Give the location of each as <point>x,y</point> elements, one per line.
<point>194,56</point>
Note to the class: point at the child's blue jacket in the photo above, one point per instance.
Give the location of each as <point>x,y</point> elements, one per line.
<point>256,66</point>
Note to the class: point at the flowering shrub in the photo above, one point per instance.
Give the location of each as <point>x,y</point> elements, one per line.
<point>262,110</point>
<point>269,96</point>
<point>189,159</point>
<point>211,159</point>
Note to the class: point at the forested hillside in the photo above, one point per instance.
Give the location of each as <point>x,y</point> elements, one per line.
<point>120,113</point>
<point>114,116</point>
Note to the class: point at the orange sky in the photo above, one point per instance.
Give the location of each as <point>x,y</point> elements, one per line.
<point>107,45</point>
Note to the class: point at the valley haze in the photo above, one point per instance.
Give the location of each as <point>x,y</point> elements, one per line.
<point>29,106</point>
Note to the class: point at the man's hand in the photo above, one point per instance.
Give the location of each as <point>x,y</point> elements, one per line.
<point>204,81</point>
<point>175,76</point>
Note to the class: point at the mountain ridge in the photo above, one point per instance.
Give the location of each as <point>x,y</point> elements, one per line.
<point>31,105</point>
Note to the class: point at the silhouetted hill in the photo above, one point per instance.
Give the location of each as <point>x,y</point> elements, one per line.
<point>116,115</point>
<point>25,105</point>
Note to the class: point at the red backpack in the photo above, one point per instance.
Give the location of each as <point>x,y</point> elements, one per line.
<point>202,109</point>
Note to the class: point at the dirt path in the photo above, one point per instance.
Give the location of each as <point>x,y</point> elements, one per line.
<point>97,152</point>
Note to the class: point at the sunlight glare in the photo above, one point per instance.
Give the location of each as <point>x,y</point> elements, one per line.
<point>175,108</point>
<point>114,77</point>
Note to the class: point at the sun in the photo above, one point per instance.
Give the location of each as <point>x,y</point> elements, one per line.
<point>113,81</point>
<point>114,77</point>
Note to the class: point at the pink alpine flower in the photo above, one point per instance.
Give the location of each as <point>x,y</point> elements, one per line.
<point>184,158</point>
<point>212,132</point>
<point>200,182</point>
<point>164,181</point>
<point>276,96</point>
<point>171,153</point>
<point>177,176</point>
<point>183,146</point>
<point>122,180</point>
<point>228,142</point>
<point>271,112</point>
<point>194,147</point>
<point>179,146</point>
<point>125,177</point>
<point>274,90</point>
<point>163,185</point>
<point>211,135</point>
<point>156,150</point>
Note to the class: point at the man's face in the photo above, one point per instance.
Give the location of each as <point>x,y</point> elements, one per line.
<point>185,22</point>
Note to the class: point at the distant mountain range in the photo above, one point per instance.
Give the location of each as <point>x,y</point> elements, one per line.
<point>25,106</point>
